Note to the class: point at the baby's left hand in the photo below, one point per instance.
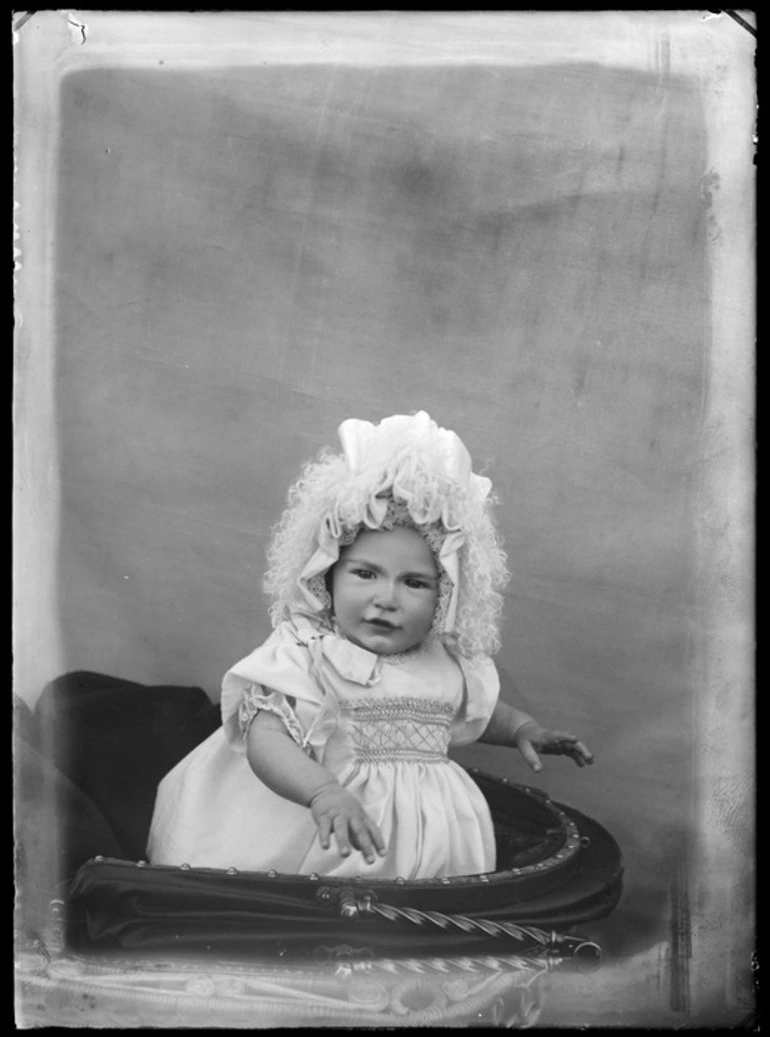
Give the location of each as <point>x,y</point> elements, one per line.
<point>531,738</point>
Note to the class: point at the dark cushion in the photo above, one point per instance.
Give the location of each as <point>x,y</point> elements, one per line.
<point>56,827</point>
<point>115,739</point>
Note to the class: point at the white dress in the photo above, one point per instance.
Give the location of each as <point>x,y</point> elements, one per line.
<point>380,724</point>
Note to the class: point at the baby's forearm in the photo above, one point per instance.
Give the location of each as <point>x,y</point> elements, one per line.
<point>280,763</point>
<point>505,720</point>
<point>503,724</point>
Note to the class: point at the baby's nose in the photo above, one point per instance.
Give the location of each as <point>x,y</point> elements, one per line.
<point>385,596</point>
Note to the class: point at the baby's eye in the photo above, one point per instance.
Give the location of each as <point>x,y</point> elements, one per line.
<point>365,574</point>
<point>415,583</point>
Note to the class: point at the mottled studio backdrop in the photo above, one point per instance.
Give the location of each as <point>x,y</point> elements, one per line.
<point>246,256</point>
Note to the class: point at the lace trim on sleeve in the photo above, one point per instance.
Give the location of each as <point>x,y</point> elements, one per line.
<point>255,700</point>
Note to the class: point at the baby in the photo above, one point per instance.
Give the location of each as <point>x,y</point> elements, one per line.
<point>385,574</point>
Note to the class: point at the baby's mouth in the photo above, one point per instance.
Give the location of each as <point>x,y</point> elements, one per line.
<point>383,624</point>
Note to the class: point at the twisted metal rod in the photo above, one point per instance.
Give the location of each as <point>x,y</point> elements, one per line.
<point>553,944</point>
<point>485,963</point>
<point>468,925</point>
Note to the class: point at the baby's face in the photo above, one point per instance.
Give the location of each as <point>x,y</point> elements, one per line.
<point>385,588</point>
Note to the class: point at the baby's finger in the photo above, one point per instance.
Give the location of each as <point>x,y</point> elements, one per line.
<point>578,757</point>
<point>324,832</point>
<point>558,743</point>
<point>528,752</point>
<point>377,838</point>
<point>341,835</point>
<point>584,752</point>
<point>361,839</point>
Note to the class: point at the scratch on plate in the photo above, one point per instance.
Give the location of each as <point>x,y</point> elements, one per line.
<point>681,941</point>
<point>24,18</point>
<point>78,29</point>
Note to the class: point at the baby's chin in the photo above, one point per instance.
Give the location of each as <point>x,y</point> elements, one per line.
<point>391,650</point>
<point>383,644</point>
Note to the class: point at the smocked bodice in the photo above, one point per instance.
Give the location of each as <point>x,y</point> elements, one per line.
<point>397,730</point>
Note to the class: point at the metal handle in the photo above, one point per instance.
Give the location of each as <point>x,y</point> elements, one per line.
<point>552,945</point>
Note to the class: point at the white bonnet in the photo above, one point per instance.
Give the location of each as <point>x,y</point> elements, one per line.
<point>404,458</point>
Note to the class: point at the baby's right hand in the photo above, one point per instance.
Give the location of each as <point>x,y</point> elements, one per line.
<point>335,810</point>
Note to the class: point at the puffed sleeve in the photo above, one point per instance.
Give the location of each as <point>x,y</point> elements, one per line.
<point>278,679</point>
<point>482,689</point>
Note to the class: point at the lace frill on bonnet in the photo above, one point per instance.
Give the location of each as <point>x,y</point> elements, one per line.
<point>404,471</point>
<point>397,514</point>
